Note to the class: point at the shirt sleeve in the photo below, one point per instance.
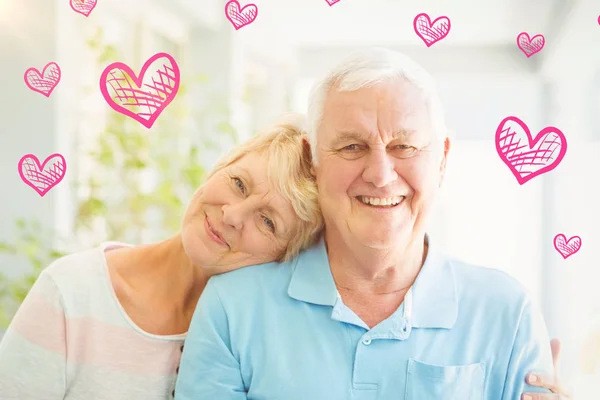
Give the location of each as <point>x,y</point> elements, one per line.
<point>208,369</point>
<point>530,353</point>
<point>33,349</point>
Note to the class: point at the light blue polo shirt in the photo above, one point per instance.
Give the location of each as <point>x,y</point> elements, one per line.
<point>281,332</point>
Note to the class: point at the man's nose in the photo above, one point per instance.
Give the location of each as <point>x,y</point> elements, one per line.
<point>235,214</point>
<point>380,169</point>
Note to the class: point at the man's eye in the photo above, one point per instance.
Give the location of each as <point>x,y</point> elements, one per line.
<point>240,185</point>
<point>269,223</point>
<point>352,147</point>
<point>404,151</point>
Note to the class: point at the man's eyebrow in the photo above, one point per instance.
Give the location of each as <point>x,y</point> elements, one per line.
<point>344,136</point>
<point>403,133</point>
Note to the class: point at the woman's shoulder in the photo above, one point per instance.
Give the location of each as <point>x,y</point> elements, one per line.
<point>75,264</point>
<point>81,274</point>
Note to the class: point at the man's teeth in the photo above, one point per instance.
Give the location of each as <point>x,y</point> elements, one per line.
<point>377,201</point>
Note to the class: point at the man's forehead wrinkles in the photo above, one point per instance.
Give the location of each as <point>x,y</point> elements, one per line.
<point>401,133</point>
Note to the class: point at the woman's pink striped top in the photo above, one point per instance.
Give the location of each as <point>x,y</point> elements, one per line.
<point>71,339</point>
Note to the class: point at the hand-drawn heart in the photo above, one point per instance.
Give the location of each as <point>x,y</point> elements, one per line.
<point>527,157</point>
<point>565,247</point>
<point>431,32</point>
<point>142,97</point>
<point>84,7</point>
<point>43,82</point>
<point>528,45</point>
<point>42,177</point>
<point>332,2</point>
<point>240,18</point>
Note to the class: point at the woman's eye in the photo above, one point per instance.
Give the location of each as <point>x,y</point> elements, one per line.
<point>240,185</point>
<point>269,223</point>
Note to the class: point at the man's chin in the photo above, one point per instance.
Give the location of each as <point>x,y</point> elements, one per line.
<point>380,236</point>
<point>378,241</point>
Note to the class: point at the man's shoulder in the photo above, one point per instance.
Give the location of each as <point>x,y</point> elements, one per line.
<point>489,283</point>
<point>254,279</point>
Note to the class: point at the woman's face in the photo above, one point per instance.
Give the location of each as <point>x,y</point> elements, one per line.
<point>237,218</point>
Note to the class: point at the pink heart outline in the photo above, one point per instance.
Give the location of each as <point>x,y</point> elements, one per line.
<point>529,48</point>
<point>83,7</point>
<point>443,34</point>
<point>531,142</point>
<point>41,76</point>
<point>40,167</point>
<point>332,2</point>
<point>240,11</point>
<point>138,80</point>
<point>565,250</point>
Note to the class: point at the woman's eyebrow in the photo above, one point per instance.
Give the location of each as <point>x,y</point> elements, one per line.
<point>281,223</point>
<point>246,174</point>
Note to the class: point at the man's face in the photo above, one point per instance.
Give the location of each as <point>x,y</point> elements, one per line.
<point>379,164</point>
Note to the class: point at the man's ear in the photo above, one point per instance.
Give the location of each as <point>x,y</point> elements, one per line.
<point>444,160</point>
<point>308,153</point>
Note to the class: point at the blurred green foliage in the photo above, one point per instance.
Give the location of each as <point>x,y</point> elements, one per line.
<point>139,181</point>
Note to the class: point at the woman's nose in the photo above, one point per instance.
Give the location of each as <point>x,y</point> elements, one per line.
<point>234,215</point>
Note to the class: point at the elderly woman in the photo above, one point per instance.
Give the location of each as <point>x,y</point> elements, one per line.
<point>109,323</point>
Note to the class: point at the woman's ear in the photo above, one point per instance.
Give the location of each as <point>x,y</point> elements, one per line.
<point>308,154</point>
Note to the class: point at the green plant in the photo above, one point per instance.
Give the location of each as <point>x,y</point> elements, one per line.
<point>139,184</point>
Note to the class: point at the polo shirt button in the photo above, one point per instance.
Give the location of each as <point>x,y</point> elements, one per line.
<point>366,342</point>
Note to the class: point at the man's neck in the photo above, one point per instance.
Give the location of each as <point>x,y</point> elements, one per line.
<point>358,268</point>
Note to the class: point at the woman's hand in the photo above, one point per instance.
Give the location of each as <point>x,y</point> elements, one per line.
<point>548,382</point>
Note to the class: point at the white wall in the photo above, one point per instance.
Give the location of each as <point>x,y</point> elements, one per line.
<point>28,119</point>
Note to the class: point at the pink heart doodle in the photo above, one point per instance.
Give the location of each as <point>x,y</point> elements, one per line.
<point>528,45</point>
<point>42,177</point>
<point>332,2</point>
<point>430,32</point>
<point>43,82</point>
<point>240,18</point>
<point>84,7</point>
<point>142,97</point>
<point>527,157</point>
<point>565,247</point>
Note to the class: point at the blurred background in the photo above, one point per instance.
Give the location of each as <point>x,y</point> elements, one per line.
<point>127,183</point>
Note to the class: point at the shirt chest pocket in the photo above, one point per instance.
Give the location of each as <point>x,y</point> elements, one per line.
<point>433,382</point>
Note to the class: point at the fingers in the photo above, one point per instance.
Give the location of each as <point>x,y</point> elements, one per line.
<point>542,380</point>
<point>546,382</point>
<point>541,396</point>
<point>555,346</point>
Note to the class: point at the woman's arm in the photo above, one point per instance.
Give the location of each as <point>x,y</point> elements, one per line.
<point>33,350</point>
<point>208,369</point>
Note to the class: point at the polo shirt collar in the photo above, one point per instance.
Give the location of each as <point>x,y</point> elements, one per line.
<point>434,304</point>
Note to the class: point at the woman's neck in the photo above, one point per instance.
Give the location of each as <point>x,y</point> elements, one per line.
<point>160,275</point>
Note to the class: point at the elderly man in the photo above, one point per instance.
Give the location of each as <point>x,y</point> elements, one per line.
<point>374,311</point>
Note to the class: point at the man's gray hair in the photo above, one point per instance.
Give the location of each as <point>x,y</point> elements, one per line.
<point>369,68</point>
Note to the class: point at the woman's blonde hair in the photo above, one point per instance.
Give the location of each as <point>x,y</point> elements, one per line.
<point>289,170</point>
